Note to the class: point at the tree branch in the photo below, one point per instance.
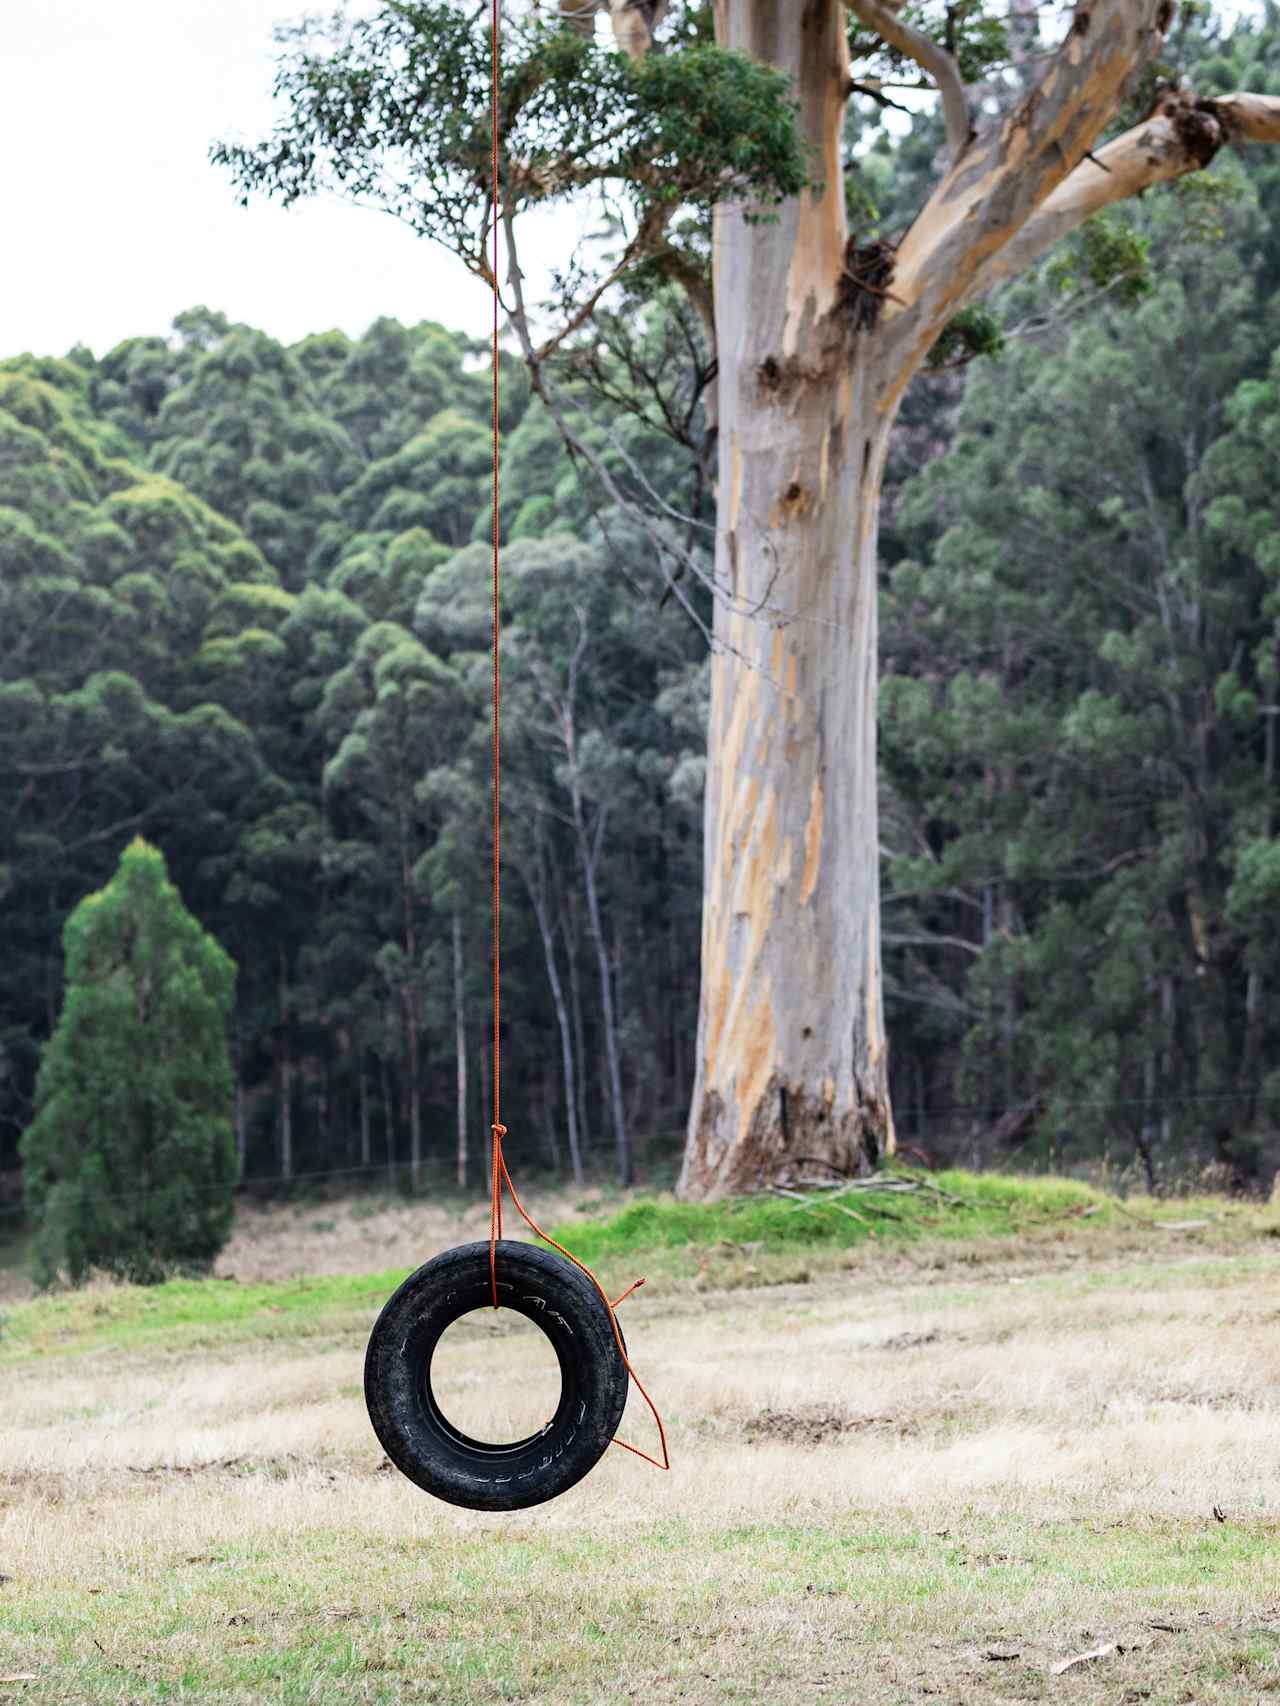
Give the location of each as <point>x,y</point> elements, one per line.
<point>932,59</point>
<point>1249,118</point>
<point>1182,135</point>
<point>649,229</point>
<point>990,193</point>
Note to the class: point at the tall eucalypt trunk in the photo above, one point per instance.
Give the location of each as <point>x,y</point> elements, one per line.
<point>817,341</point>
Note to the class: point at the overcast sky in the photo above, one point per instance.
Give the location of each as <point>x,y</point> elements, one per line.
<point>114,220</point>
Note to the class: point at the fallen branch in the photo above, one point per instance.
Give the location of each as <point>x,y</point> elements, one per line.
<point>1084,1658</point>
<point>822,1202</point>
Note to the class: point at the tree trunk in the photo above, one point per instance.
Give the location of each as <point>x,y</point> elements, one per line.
<point>286,1114</point>
<point>589,851</point>
<point>1254,1011</point>
<point>486,1078</point>
<point>412,1022</point>
<point>461,1045</point>
<point>791,1057</point>
<point>324,1109</point>
<point>286,1079</point>
<point>388,1117</point>
<point>241,1126</point>
<point>414,1092</point>
<point>547,1110</point>
<point>366,1133</point>
<point>579,1039</point>
<point>1169,1023</point>
<point>538,897</point>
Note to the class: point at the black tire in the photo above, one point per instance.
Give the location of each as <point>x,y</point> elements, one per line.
<point>418,1438</point>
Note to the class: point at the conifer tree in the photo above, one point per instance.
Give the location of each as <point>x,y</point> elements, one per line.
<point>130,1161</point>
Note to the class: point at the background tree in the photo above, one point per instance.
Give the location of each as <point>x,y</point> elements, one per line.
<point>819,328</point>
<point>130,1161</point>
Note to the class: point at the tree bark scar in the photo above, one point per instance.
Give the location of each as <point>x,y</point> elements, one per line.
<point>822,353</point>
<point>793,505</point>
<point>782,1114</point>
<point>1197,123</point>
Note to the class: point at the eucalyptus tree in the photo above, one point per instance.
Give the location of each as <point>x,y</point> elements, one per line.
<point>382,388</point>
<point>245,430</point>
<point>1077,747</point>
<point>389,715</point>
<point>1240,486</point>
<point>733,149</point>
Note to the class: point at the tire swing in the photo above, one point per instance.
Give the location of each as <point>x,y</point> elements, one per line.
<point>421,1441</point>
<point>555,1291</point>
<point>564,1299</point>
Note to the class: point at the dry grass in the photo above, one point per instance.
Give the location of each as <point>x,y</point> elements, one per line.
<point>357,1236</point>
<point>933,1489</point>
<point>364,1236</point>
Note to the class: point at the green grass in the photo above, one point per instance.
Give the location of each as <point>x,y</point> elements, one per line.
<point>747,1614</point>
<point>127,1313</point>
<point>755,1240</point>
<point>971,1206</point>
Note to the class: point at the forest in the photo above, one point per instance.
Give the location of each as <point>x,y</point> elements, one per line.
<point>245,609</point>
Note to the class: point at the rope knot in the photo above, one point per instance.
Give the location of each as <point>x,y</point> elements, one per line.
<point>501,1130</point>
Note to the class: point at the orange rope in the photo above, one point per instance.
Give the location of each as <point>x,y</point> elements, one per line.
<point>495,1228</point>
<point>499,1174</point>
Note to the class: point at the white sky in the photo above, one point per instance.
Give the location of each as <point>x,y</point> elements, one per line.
<point>115,221</point>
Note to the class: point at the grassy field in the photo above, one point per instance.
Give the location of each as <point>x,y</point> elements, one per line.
<point>933,1464</point>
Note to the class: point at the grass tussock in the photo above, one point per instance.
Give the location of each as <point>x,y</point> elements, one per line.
<point>952,1206</point>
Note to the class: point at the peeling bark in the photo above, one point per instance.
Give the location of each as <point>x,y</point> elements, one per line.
<point>791,1054</point>
<point>633,21</point>
<point>1181,135</point>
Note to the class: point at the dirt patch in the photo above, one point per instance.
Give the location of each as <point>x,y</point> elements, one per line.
<point>55,1486</point>
<point>817,1426</point>
<point>910,1341</point>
